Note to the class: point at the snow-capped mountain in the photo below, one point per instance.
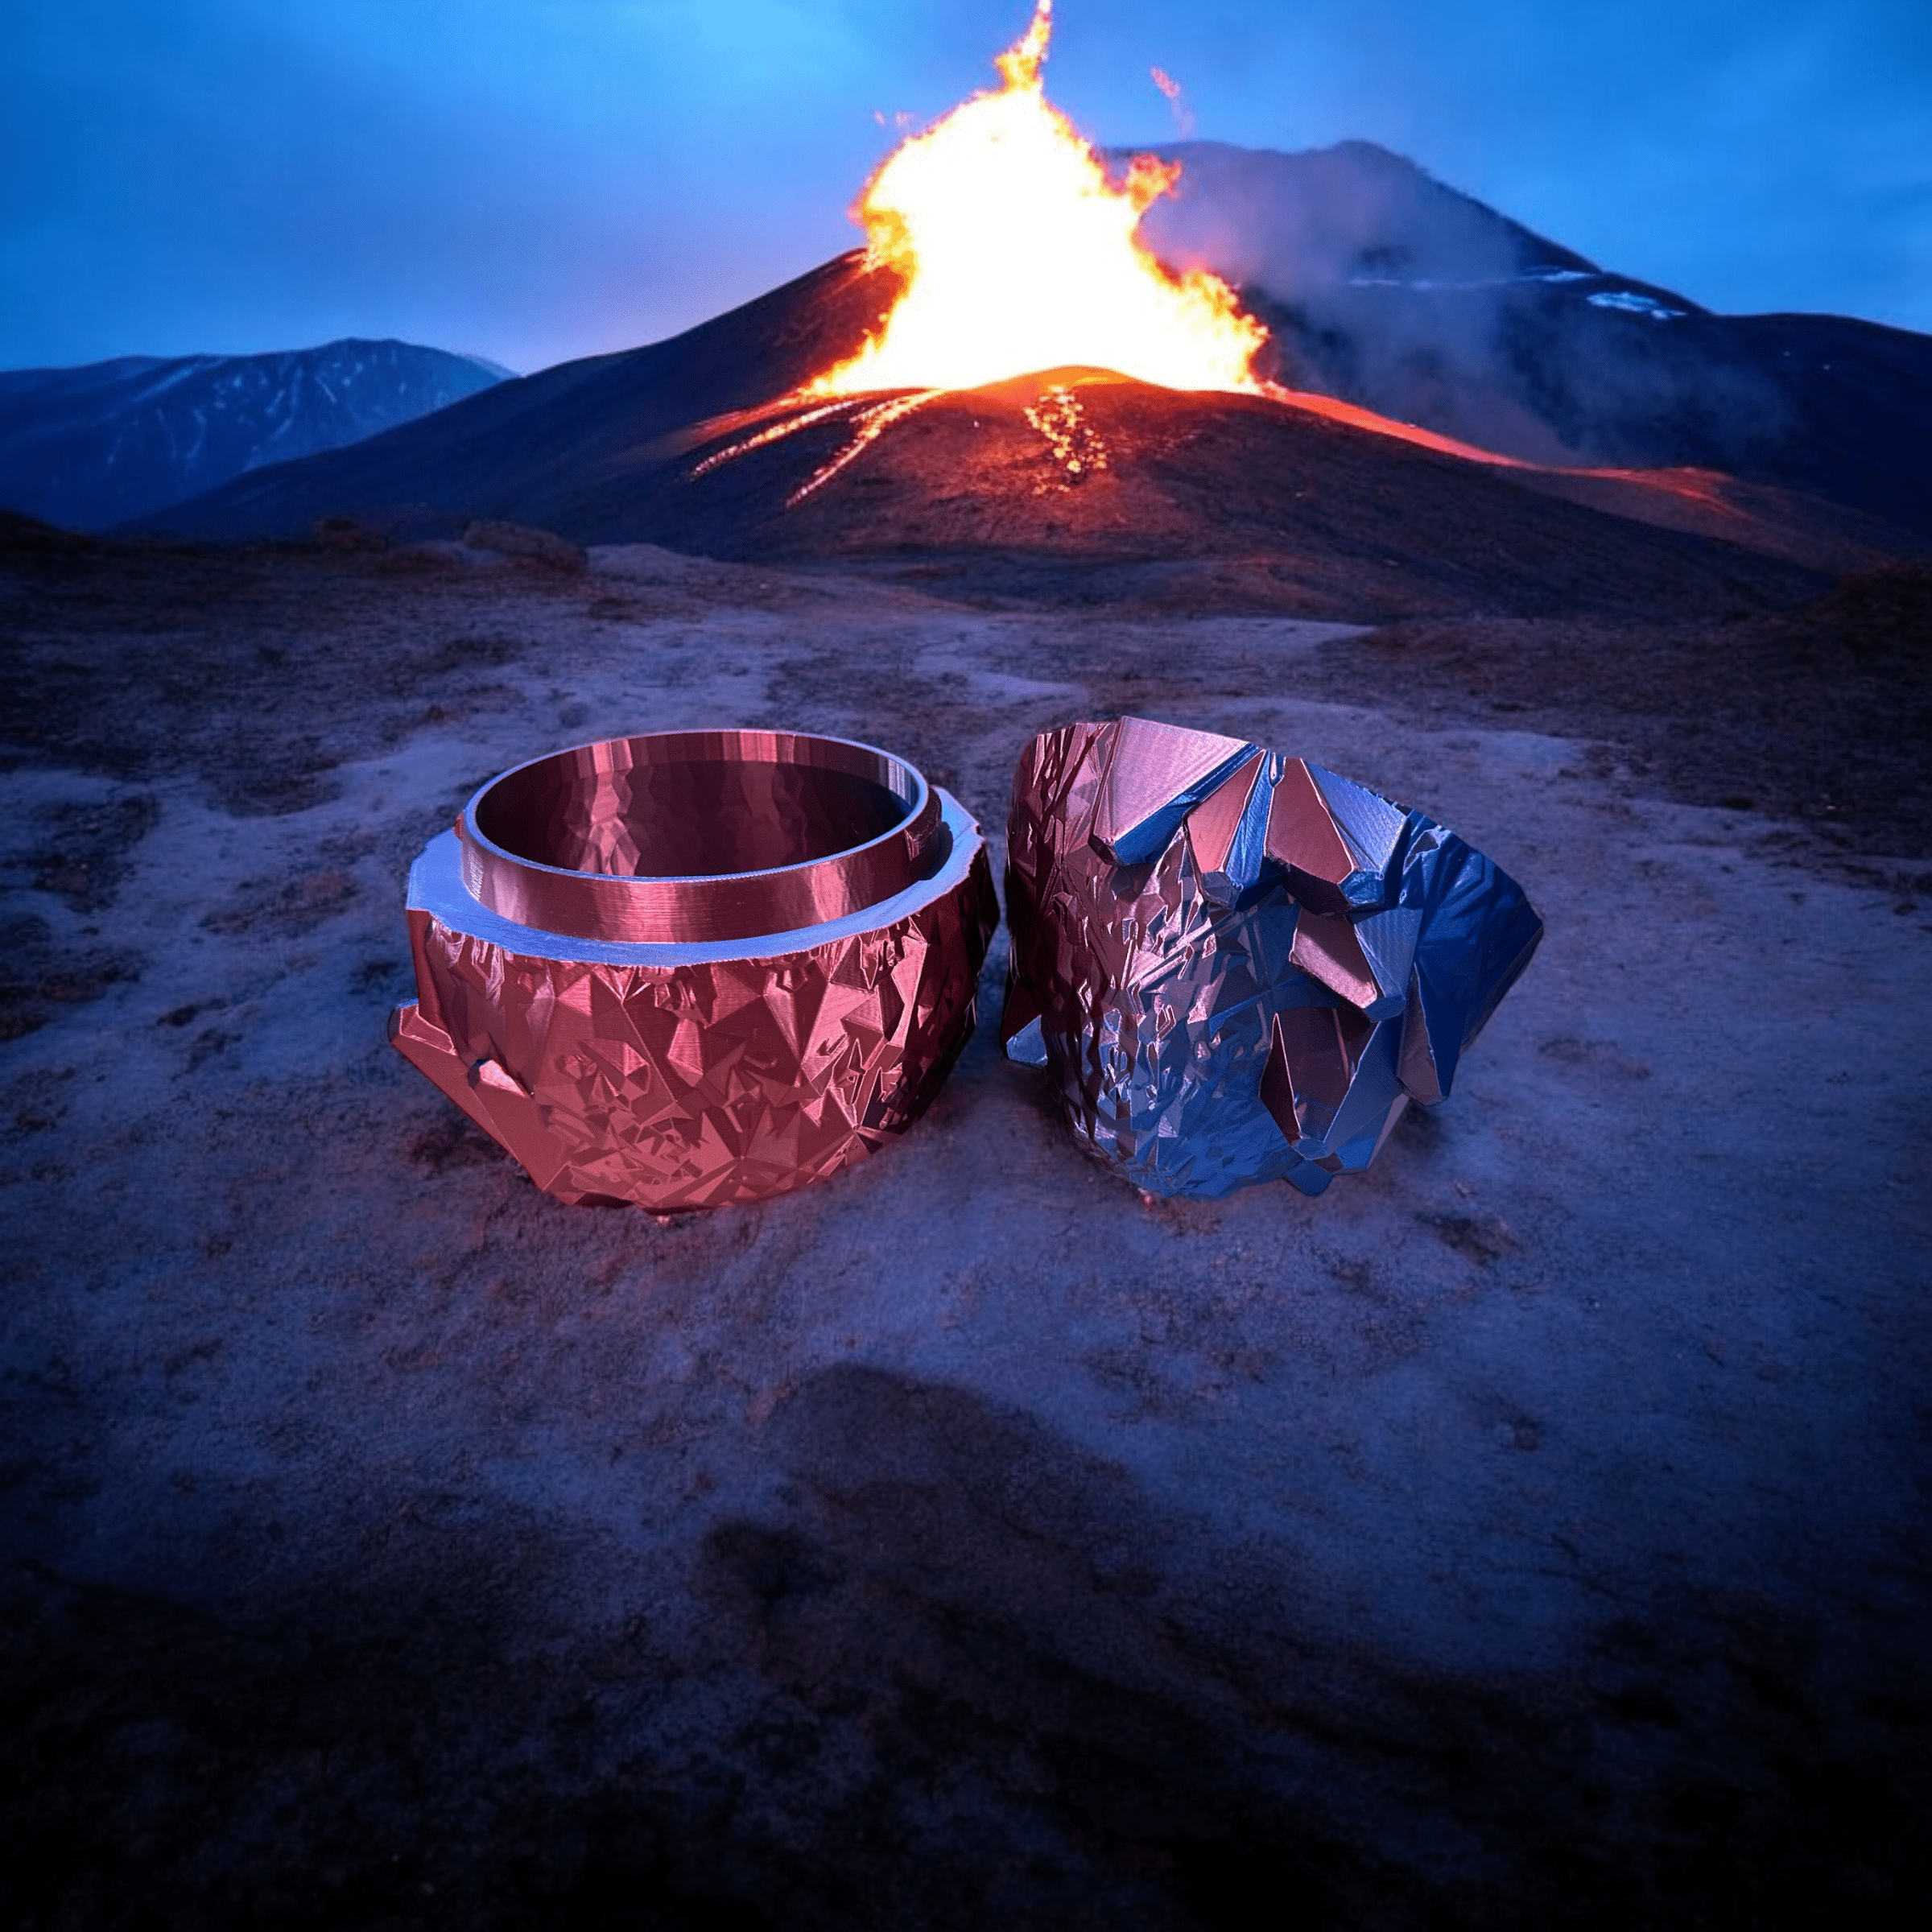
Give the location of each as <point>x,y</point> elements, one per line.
<point>1385,288</point>
<point>112,442</point>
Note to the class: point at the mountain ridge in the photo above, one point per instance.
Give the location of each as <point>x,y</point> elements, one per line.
<point>108,443</point>
<point>1414,302</point>
<point>1386,288</point>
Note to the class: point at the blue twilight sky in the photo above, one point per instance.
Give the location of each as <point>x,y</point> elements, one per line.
<point>536,179</point>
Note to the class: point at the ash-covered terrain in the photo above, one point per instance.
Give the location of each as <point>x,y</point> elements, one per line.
<point>1529,1533</point>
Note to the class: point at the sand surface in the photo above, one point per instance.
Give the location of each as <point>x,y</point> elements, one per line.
<point>1529,1532</point>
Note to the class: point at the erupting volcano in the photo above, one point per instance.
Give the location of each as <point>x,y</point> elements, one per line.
<point>1020,254</point>
<point>1396,401</point>
<point>1014,254</point>
<point>975,1540</point>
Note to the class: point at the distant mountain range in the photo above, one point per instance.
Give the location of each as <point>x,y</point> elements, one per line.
<point>111,442</point>
<point>582,448</point>
<point>1805,437</point>
<point>1055,481</point>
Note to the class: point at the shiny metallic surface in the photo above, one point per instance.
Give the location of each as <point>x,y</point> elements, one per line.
<point>697,834</point>
<point>1235,966</point>
<point>608,984</point>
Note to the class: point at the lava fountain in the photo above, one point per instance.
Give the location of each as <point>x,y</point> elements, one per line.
<point>1019,254</point>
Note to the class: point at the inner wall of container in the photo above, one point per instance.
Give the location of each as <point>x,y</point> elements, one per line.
<point>687,818</point>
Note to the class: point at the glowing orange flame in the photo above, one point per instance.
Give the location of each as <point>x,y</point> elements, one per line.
<point>1020,255</point>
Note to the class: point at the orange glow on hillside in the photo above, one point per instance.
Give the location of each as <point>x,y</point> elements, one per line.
<point>1020,255</point>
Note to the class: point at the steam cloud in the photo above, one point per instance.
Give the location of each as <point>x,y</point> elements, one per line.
<point>1382,286</point>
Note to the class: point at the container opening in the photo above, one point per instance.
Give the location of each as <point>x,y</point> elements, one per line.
<point>686,816</point>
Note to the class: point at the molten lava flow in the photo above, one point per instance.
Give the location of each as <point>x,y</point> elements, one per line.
<point>1019,255</point>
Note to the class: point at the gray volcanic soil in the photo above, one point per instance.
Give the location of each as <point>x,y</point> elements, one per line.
<point>1529,1532</point>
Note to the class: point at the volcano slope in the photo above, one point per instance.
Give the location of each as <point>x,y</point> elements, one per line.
<point>711,443</point>
<point>1392,290</point>
<point>1527,1534</point>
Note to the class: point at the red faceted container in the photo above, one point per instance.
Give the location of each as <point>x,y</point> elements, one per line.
<point>694,968</point>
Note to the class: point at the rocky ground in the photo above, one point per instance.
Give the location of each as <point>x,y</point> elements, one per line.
<point>1530,1533</point>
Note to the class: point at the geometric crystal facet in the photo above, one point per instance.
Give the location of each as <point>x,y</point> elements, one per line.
<point>1259,995</point>
<point>1155,774</point>
<point>1228,832</point>
<point>659,1041</point>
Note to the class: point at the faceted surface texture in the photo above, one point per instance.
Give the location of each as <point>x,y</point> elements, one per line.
<point>1258,995</point>
<point>706,1083</point>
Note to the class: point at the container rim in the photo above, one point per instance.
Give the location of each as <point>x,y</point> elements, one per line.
<point>682,909</point>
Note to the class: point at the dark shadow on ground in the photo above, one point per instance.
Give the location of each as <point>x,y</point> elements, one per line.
<point>962,1674</point>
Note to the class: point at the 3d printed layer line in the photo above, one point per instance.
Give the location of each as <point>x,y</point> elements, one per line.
<point>1237,966</point>
<point>695,968</point>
